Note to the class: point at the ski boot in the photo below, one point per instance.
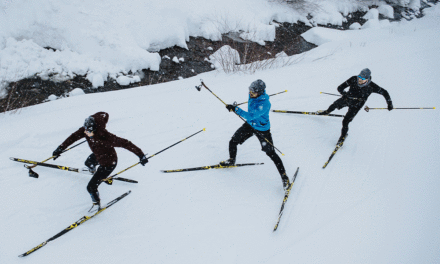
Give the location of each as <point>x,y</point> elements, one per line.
<point>96,202</point>
<point>228,162</point>
<point>95,207</point>
<point>286,182</point>
<point>341,140</point>
<point>89,169</point>
<point>322,112</point>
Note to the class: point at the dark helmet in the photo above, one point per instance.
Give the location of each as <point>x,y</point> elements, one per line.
<point>90,124</point>
<point>257,86</point>
<point>365,75</point>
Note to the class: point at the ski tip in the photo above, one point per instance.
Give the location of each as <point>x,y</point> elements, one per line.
<point>12,158</point>
<point>283,154</point>
<point>204,129</point>
<point>286,91</point>
<point>433,108</point>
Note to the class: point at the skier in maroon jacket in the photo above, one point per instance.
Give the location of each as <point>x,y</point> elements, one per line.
<point>102,143</point>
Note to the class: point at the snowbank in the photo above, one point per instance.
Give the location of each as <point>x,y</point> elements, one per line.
<point>321,35</point>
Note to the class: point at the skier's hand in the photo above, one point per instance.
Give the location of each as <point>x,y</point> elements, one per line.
<point>344,95</point>
<point>231,108</point>
<point>143,160</point>
<point>390,105</point>
<point>57,152</point>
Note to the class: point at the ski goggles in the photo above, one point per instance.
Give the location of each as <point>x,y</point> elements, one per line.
<point>362,78</point>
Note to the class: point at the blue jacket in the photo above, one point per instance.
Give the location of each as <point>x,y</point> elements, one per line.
<point>258,112</point>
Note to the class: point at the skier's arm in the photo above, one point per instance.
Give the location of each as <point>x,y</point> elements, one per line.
<point>345,84</point>
<point>379,90</point>
<point>261,110</point>
<point>73,138</point>
<point>126,144</point>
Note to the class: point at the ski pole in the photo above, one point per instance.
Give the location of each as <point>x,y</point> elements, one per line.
<point>109,180</point>
<point>269,95</point>
<point>331,94</point>
<point>199,88</point>
<point>368,108</point>
<point>354,98</point>
<point>304,113</point>
<point>34,174</point>
<point>63,168</point>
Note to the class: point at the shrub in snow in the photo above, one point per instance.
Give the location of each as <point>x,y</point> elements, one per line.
<point>123,80</point>
<point>3,91</point>
<point>135,79</point>
<point>356,25</point>
<point>386,11</point>
<point>126,80</point>
<point>96,79</point>
<point>225,58</point>
<point>413,4</point>
<point>76,91</point>
<point>371,14</point>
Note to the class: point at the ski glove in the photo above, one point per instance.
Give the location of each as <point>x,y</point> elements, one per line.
<point>344,95</point>
<point>143,160</point>
<point>390,105</point>
<point>57,152</point>
<point>231,108</point>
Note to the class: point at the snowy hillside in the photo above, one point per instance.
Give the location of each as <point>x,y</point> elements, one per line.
<point>109,38</point>
<point>376,202</point>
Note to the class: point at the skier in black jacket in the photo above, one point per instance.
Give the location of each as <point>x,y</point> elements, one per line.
<point>360,89</point>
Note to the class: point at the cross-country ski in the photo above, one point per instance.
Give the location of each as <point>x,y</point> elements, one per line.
<point>75,225</point>
<point>286,196</point>
<point>216,166</point>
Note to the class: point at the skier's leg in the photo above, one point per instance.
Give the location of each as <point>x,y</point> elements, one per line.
<point>270,151</point>
<point>92,187</point>
<point>339,104</point>
<point>351,113</point>
<point>239,137</point>
<point>91,163</point>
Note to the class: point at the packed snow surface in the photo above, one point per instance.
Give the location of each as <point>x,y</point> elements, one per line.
<point>376,202</point>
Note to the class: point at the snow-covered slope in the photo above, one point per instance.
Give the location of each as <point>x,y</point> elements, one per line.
<point>376,202</point>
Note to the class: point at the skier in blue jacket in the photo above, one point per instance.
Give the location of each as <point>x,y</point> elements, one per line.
<point>257,123</point>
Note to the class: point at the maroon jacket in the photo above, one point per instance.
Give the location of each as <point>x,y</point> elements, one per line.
<point>103,143</point>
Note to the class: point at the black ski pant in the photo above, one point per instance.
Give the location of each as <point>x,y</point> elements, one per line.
<point>244,133</point>
<point>100,174</point>
<point>351,113</point>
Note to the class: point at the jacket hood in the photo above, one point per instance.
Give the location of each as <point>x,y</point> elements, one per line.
<point>101,119</point>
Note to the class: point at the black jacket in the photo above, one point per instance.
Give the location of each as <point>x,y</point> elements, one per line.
<point>357,96</point>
